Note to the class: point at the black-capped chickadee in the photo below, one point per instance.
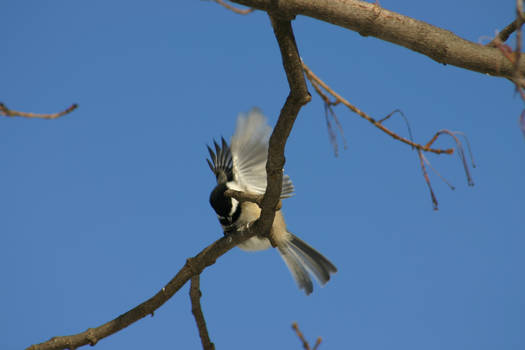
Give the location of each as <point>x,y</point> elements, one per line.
<point>242,167</point>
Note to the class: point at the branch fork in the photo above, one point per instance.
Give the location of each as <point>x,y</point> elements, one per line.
<point>194,266</point>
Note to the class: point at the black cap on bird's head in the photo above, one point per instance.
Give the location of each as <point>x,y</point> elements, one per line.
<point>221,161</point>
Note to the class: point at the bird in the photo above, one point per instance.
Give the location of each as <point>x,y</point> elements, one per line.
<point>241,166</point>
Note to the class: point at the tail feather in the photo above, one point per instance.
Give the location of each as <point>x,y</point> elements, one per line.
<point>318,258</point>
<point>320,273</point>
<point>297,269</point>
<point>302,259</point>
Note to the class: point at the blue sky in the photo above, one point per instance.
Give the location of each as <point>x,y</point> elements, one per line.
<point>101,208</point>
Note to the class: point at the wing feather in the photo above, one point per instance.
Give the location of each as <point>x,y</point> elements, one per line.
<point>249,149</point>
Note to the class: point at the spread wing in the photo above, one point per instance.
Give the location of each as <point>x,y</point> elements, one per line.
<point>249,149</point>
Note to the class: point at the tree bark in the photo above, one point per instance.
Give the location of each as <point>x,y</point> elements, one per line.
<point>369,19</point>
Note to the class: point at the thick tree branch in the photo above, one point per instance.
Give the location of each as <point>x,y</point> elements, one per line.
<point>194,266</point>
<point>11,113</point>
<point>196,310</point>
<point>369,19</point>
<point>297,97</point>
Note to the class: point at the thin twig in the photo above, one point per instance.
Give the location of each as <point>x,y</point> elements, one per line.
<point>235,9</point>
<point>12,113</point>
<point>518,79</point>
<point>513,56</point>
<point>504,34</point>
<point>468,147</point>
<point>329,111</point>
<point>519,23</point>
<point>427,162</point>
<point>317,343</point>
<point>427,180</point>
<point>196,310</point>
<point>300,335</point>
<point>303,340</point>
<point>411,138</point>
<point>333,139</point>
<point>459,147</point>
<point>312,77</point>
<point>521,122</point>
<point>317,83</point>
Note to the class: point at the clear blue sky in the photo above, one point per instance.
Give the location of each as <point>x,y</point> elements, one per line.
<point>101,208</point>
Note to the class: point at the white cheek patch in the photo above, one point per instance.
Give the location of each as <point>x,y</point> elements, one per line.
<point>235,203</point>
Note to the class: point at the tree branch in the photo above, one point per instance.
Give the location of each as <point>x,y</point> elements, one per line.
<point>317,83</point>
<point>301,337</point>
<point>11,113</point>
<point>297,97</point>
<point>504,34</point>
<point>194,266</point>
<point>314,79</point>
<point>369,19</point>
<point>196,310</point>
<point>303,340</point>
<point>234,9</point>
